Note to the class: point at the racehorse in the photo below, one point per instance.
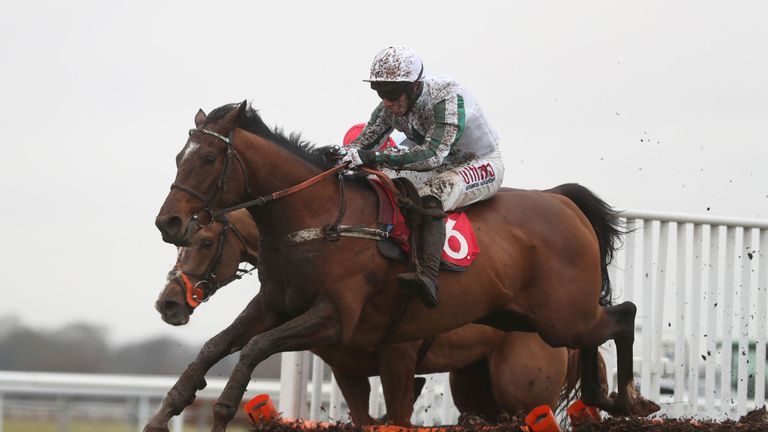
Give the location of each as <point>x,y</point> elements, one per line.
<point>491,372</point>
<point>543,267</point>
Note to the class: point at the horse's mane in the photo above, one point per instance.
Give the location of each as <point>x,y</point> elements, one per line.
<point>292,142</point>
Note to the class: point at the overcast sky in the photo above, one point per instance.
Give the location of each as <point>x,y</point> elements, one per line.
<point>654,105</point>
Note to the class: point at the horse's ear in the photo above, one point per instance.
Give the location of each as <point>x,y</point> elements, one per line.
<point>241,109</point>
<point>232,119</point>
<point>200,118</point>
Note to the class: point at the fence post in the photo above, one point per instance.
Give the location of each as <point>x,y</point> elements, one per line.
<point>316,403</point>
<point>659,295</point>
<point>711,391</point>
<point>63,420</point>
<point>143,412</point>
<point>762,332</point>
<point>680,323</point>
<point>177,423</point>
<point>696,326</point>
<point>334,411</point>
<point>646,307</point>
<point>726,352</point>
<point>293,384</point>
<point>745,288</point>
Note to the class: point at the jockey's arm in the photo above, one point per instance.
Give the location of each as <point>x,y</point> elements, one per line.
<point>447,129</point>
<point>375,132</point>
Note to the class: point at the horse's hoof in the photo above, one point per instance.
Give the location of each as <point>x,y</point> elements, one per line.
<point>201,384</point>
<point>149,428</point>
<point>643,407</point>
<point>636,406</point>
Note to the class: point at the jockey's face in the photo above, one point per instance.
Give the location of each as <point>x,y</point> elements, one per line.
<point>398,107</point>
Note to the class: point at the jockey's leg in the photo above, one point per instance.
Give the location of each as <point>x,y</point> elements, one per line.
<point>423,284</point>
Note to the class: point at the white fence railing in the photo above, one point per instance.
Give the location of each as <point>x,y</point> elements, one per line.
<point>700,287</point>
<point>700,348</point>
<point>133,396</point>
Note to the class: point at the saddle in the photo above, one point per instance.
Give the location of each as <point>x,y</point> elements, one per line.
<point>399,217</point>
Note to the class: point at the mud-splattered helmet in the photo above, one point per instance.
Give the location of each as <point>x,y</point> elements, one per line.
<point>396,64</point>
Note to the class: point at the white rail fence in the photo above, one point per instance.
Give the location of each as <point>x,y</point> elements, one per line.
<point>96,397</point>
<point>700,349</point>
<point>700,287</point>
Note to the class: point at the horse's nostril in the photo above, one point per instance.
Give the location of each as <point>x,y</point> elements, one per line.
<point>169,226</point>
<point>169,307</point>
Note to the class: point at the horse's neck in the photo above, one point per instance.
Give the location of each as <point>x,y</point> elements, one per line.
<point>272,169</point>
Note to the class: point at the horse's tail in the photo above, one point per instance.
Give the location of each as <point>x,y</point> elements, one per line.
<point>571,389</point>
<point>605,222</point>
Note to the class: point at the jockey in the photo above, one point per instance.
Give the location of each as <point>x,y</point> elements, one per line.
<point>451,151</point>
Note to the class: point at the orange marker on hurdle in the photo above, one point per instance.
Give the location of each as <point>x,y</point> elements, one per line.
<point>541,419</point>
<point>579,412</point>
<point>261,408</point>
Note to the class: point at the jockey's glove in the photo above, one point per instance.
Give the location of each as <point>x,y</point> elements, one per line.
<point>357,157</point>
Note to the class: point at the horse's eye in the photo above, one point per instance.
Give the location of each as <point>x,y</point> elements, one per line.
<point>206,244</point>
<point>210,158</point>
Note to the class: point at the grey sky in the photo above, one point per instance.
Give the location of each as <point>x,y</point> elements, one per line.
<point>656,105</point>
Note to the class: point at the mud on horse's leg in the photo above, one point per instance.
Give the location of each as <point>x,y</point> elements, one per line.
<point>316,327</point>
<point>251,321</point>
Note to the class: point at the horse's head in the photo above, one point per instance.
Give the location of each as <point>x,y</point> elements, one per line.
<point>210,261</point>
<point>210,174</point>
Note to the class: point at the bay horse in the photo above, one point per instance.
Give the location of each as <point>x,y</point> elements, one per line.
<point>491,372</point>
<point>543,267</point>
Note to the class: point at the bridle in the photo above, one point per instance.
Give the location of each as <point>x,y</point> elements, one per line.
<point>221,184</point>
<point>332,232</point>
<point>207,283</point>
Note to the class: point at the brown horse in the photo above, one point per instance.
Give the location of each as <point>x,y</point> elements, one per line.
<point>543,266</point>
<point>524,371</point>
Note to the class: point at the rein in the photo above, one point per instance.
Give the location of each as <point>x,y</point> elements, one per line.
<point>331,232</point>
<point>261,200</point>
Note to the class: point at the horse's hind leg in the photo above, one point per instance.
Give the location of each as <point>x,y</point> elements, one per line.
<point>316,327</point>
<point>617,323</point>
<point>253,320</point>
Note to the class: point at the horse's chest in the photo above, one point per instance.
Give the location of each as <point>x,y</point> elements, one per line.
<point>287,288</point>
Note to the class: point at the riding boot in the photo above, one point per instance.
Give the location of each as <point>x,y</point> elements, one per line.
<point>424,284</point>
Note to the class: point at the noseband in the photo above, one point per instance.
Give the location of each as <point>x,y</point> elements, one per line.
<point>207,284</point>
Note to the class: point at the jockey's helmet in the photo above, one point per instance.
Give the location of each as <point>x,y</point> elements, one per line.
<point>396,64</point>
<point>393,72</point>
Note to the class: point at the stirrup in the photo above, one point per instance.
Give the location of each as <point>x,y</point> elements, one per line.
<point>420,286</point>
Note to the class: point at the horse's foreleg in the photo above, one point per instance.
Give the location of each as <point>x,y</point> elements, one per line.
<point>397,367</point>
<point>250,322</point>
<point>356,391</point>
<point>317,327</point>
